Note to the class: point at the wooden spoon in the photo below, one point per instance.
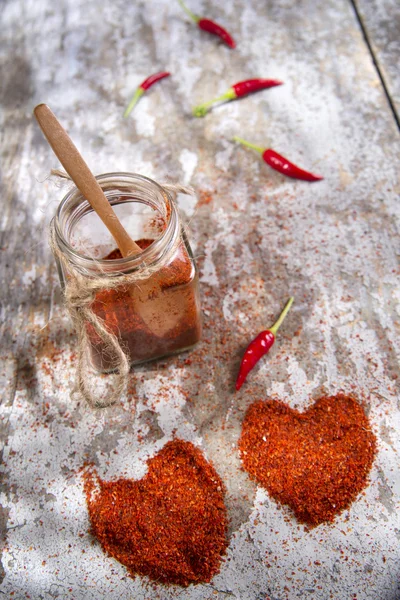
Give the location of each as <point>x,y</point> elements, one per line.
<point>155,312</point>
<point>77,169</point>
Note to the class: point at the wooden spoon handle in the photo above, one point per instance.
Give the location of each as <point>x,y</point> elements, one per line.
<point>77,169</point>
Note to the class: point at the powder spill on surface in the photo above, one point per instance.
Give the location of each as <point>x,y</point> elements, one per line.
<point>332,246</point>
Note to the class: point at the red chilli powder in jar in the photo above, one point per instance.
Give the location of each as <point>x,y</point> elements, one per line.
<point>317,462</point>
<point>171,525</point>
<point>150,319</point>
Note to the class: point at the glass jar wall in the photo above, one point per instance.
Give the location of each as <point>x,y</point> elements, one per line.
<point>158,312</point>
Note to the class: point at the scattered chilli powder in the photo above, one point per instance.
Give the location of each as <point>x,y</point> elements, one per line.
<point>171,525</point>
<point>317,461</point>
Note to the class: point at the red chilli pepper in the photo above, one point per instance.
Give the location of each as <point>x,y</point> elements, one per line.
<point>145,85</point>
<point>280,163</point>
<point>260,346</point>
<point>210,26</point>
<point>242,88</point>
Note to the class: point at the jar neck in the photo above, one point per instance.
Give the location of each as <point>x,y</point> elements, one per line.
<point>119,188</point>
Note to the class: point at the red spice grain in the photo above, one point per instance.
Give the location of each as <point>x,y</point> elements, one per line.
<point>171,525</point>
<point>204,198</point>
<point>317,462</point>
<point>173,288</point>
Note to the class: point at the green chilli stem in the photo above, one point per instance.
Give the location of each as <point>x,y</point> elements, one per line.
<point>202,109</point>
<point>139,92</point>
<point>282,316</point>
<point>194,17</point>
<point>253,146</point>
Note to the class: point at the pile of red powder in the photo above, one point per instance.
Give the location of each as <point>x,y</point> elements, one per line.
<point>171,525</point>
<point>317,461</point>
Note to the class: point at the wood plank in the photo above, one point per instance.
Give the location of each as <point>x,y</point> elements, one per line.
<point>381,22</point>
<point>333,245</point>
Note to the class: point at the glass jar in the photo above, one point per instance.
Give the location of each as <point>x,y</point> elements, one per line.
<point>158,313</point>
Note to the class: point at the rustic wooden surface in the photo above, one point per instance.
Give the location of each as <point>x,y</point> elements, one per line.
<point>381,24</point>
<point>258,238</point>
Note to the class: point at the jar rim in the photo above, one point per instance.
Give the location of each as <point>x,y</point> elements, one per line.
<point>136,260</point>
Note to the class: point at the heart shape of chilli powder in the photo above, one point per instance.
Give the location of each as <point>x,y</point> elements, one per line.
<point>171,525</point>
<point>316,462</point>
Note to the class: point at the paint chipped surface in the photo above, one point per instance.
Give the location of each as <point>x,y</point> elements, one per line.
<point>260,239</point>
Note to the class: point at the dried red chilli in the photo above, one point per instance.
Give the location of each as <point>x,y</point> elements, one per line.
<point>260,346</point>
<point>248,86</point>
<point>145,85</point>
<point>280,163</point>
<point>210,26</point>
<point>215,29</point>
<point>238,90</point>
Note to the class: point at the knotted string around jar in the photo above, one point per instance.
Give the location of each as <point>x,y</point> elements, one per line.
<point>79,295</point>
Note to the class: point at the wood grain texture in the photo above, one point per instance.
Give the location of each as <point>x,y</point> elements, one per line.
<point>258,239</point>
<point>381,22</point>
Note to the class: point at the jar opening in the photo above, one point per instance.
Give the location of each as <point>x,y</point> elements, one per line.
<point>145,209</point>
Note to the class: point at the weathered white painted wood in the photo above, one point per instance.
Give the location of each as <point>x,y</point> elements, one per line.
<point>381,19</point>
<point>333,245</point>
